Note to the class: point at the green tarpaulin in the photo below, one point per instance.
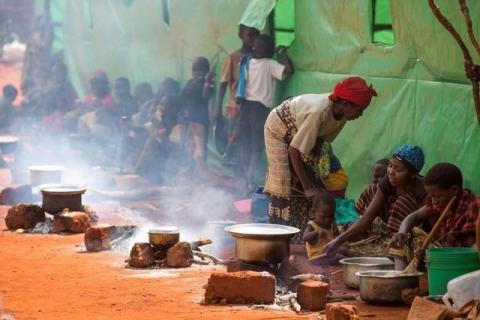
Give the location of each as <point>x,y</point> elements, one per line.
<point>424,96</point>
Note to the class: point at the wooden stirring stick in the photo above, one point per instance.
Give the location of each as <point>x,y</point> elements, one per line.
<point>412,267</point>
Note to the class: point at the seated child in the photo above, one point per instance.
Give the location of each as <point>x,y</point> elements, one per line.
<point>321,230</point>
<point>379,170</point>
<point>442,182</point>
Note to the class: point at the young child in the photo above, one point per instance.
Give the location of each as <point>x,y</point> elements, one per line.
<point>255,93</point>
<point>322,228</point>
<point>196,96</point>
<point>379,170</point>
<point>229,78</point>
<point>153,162</point>
<point>442,182</point>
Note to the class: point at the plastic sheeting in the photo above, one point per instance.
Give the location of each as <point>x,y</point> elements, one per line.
<point>424,96</point>
<point>256,14</point>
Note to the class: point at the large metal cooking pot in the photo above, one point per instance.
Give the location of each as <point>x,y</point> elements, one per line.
<point>353,265</point>
<point>45,174</point>
<point>8,144</point>
<point>164,237</point>
<point>262,242</point>
<point>384,287</point>
<point>59,197</point>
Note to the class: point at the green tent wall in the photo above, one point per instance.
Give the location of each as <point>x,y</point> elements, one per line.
<point>424,97</point>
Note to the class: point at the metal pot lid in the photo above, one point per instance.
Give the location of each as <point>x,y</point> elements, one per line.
<point>63,190</point>
<point>8,139</point>
<point>46,168</point>
<point>164,230</point>
<point>367,261</point>
<point>386,274</point>
<point>262,230</point>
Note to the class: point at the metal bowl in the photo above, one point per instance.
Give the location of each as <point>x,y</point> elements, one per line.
<point>353,265</point>
<point>164,237</point>
<point>262,242</point>
<point>385,287</point>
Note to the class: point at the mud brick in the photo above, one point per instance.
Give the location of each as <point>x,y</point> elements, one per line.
<point>24,216</point>
<point>243,287</point>
<point>141,255</point>
<point>312,295</point>
<point>98,238</point>
<point>71,221</point>
<point>427,310</point>
<point>340,311</point>
<point>180,255</point>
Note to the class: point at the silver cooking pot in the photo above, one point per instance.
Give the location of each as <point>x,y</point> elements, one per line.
<point>353,265</point>
<point>262,242</point>
<point>384,287</point>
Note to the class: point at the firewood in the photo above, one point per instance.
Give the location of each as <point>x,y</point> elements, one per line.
<point>209,256</point>
<point>203,241</point>
<point>295,305</point>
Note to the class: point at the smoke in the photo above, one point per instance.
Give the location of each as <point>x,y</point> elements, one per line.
<point>191,204</point>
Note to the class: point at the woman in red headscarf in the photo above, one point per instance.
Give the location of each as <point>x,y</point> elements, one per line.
<point>294,134</point>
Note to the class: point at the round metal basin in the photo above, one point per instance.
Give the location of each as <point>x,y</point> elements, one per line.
<point>353,265</point>
<point>385,287</point>
<point>262,242</point>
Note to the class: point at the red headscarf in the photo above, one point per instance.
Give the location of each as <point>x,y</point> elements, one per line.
<point>355,90</point>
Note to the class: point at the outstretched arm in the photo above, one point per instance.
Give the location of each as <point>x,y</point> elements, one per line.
<point>361,226</point>
<point>414,219</point>
<point>301,172</point>
<point>286,62</point>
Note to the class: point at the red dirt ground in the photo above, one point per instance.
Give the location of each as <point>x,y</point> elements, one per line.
<point>47,277</point>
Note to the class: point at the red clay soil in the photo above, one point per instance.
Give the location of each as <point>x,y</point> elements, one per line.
<point>48,277</point>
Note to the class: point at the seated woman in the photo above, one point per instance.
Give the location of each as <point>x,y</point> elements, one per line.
<point>398,194</point>
<point>442,182</point>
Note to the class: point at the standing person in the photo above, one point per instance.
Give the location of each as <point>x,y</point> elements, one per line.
<point>229,79</point>
<point>255,93</point>
<point>385,205</point>
<point>292,131</point>
<point>37,61</point>
<point>196,96</point>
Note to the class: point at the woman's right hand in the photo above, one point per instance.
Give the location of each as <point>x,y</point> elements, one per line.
<point>332,247</point>
<point>398,240</point>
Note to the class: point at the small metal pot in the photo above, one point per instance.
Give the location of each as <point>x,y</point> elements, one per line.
<point>384,287</point>
<point>262,242</point>
<point>57,198</point>
<point>164,237</point>
<point>353,265</point>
